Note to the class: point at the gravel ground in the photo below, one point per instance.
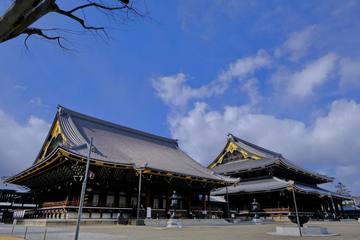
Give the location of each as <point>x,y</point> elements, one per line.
<point>118,232</point>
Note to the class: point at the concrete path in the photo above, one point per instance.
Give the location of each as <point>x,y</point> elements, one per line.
<point>347,231</point>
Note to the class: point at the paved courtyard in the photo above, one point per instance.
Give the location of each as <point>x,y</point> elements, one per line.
<point>112,232</point>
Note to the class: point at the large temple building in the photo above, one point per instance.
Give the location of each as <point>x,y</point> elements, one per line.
<point>120,158</point>
<point>273,181</point>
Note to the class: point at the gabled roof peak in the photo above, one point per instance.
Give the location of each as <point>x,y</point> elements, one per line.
<point>266,152</point>
<point>265,158</point>
<point>64,111</point>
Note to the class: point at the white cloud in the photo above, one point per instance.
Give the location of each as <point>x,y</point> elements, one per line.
<point>203,132</point>
<point>244,67</point>
<point>332,140</point>
<point>349,73</point>
<point>298,43</point>
<point>37,102</point>
<point>19,143</point>
<point>174,91</point>
<point>251,88</point>
<point>302,83</point>
<point>19,87</point>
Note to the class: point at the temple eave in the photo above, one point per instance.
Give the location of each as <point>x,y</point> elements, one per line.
<point>61,155</point>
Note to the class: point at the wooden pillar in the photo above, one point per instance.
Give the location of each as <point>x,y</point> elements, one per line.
<point>342,208</point>
<point>204,203</point>
<point>167,204</point>
<point>209,204</point>
<point>321,205</point>
<point>189,198</point>
<point>337,206</point>
<point>148,199</point>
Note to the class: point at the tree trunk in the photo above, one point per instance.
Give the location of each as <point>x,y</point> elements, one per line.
<point>21,14</point>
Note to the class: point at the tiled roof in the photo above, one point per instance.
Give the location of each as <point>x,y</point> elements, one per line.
<point>273,184</point>
<point>122,145</point>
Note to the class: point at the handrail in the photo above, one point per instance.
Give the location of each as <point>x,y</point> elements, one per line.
<point>76,204</point>
<point>60,203</point>
<point>277,209</point>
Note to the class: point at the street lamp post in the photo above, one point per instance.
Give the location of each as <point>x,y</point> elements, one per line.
<point>141,169</point>
<point>296,211</point>
<point>333,206</point>
<point>81,204</point>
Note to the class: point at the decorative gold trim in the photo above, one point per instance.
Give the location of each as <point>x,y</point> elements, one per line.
<point>191,178</point>
<point>69,156</point>
<point>231,147</point>
<point>54,133</point>
<point>37,170</point>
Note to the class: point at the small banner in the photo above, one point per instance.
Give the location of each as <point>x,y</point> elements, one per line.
<point>19,214</point>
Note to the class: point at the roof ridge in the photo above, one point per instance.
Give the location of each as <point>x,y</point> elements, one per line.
<point>256,146</point>
<point>118,126</point>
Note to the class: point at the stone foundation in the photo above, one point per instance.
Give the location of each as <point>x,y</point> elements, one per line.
<point>306,231</point>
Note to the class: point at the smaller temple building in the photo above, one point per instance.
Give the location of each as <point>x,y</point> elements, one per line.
<point>14,198</point>
<point>274,182</point>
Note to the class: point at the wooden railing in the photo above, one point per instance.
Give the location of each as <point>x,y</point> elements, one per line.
<point>277,210</point>
<point>269,211</point>
<point>60,204</point>
<point>75,204</point>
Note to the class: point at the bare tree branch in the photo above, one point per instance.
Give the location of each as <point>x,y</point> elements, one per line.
<point>97,5</point>
<point>39,32</point>
<point>78,19</point>
<point>19,17</point>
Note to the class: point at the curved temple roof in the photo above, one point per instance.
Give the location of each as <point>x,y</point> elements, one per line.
<point>113,143</point>
<point>265,158</point>
<point>274,184</point>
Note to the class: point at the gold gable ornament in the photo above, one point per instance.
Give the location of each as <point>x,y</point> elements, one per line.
<point>231,148</point>
<point>54,133</point>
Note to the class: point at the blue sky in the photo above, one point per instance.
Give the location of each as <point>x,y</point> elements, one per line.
<point>282,74</point>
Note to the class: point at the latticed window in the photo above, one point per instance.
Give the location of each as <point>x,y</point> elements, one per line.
<point>156,203</point>
<point>110,200</point>
<point>95,200</point>
<point>164,203</point>
<point>133,201</point>
<point>122,201</point>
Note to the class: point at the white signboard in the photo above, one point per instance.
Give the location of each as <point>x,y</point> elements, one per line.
<point>19,214</point>
<point>148,212</point>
